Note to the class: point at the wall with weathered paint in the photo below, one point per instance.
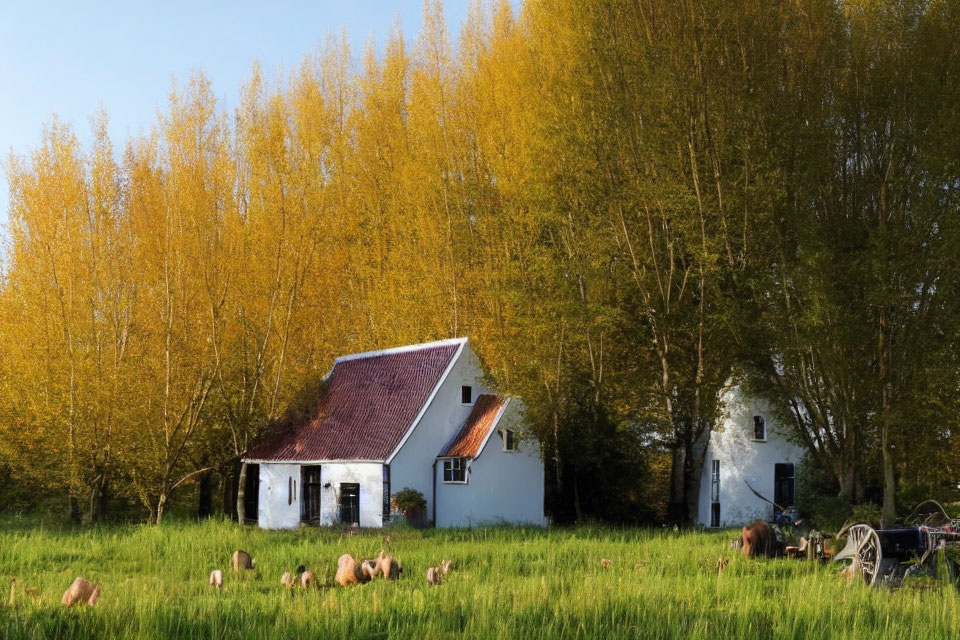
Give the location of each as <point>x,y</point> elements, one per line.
<point>279,499</point>
<point>369,475</point>
<point>413,465</point>
<point>744,460</point>
<point>502,486</point>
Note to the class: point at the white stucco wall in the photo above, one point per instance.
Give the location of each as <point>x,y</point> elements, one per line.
<point>413,465</point>
<point>273,510</point>
<point>502,486</point>
<point>744,460</point>
<point>369,475</point>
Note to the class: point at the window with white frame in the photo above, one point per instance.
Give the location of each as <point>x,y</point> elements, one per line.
<point>509,440</point>
<point>759,428</point>
<point>466,394</point>
<point>455,470</point>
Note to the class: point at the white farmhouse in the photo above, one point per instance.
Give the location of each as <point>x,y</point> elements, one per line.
<point>419,416</point>
<point>749,452</point>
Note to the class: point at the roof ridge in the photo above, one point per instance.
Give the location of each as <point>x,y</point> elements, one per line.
<point>403,349</point>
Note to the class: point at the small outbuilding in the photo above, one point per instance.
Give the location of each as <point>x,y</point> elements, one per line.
<point>419,416</point>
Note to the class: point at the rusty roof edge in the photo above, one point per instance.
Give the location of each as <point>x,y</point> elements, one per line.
<point>493,427</point>
<point>404,349</point>
<point>456,436</point>
<point>433,394</point>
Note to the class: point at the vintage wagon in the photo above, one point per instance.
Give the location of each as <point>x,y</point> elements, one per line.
<point>886,556</point>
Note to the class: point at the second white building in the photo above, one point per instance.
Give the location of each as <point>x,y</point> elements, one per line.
<point>750,454</point>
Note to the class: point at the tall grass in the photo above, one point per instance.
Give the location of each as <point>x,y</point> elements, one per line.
<point>510,583</point>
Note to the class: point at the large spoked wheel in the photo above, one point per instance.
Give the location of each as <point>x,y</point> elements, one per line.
<point>864,542</point>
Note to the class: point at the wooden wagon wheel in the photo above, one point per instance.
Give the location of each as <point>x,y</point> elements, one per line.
<point>867,555</point>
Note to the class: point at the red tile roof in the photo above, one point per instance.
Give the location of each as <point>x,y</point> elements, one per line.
<point>466,444</point>
<point>368,403</point>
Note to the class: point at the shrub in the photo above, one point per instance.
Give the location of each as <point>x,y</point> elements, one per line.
<point>409,500</point>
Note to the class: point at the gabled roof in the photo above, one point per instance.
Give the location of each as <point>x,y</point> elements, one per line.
<point>468,442</point>
<point>369,402</point>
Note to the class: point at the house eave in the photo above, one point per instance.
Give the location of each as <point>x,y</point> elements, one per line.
<point>311,462</point>
<point>493,427</point>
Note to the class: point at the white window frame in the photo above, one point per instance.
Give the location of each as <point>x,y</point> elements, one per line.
<point>513,437</point>
<point>473,397</point>
<point>464,467</point>
<point>763,421</point>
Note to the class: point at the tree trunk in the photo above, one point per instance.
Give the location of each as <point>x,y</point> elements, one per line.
<point>693,471</point>
<point>205,496</point>
<point>227,503</point>
<point>850,486</point>
<point>889,479</point>
<point>98,499</point>
<point>74,507</point>
<point>160,503</point>
<point>242,494</point>
<point>677,509</point>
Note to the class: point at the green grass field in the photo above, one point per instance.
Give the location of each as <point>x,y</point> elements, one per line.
<point>511,583</point>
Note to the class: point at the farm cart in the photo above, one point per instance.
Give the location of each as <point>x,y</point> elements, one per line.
<point>886,556</point>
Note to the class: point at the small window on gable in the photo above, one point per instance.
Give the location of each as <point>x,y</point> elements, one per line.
<point>759,428</point>
<point>509,440</point>
<point>455,470</point>
<point>466,394</point>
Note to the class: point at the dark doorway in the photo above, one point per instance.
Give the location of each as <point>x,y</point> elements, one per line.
<point>784,485</point>
<point>349,503</point>
<point>715,493</point>
<point>310,489</point>
<point>251,496</point>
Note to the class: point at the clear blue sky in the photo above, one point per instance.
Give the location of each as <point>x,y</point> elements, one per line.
<point>69,57</point>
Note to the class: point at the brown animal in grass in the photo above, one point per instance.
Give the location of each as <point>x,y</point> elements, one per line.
<point>81,591</point>
<point>242,560</point>
<point>605,563</point>
<point>308,579</point>
<point>216,578</point>
<point>434,576</point>
<point>757,539</point>
<point>388,567</point>
<point>287,579</point>
<point>349,571</point>
<point>370,568</point>
<point>446,567</point>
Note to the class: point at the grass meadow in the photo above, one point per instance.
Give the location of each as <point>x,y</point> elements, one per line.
<point>510,583</point>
